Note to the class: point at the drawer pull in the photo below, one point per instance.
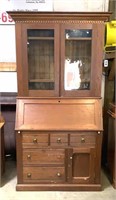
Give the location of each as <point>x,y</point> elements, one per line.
<point>19,132</point>
<point>70,157</point>
<point>59,140</point>
<point>35,140</point>
<point>82,140</point>
<point>59,174</point>
<point>29,175</point>
<point>28,156</point>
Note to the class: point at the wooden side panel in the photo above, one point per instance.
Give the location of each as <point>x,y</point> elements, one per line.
<point>58,114</point>
<point>2,155</point>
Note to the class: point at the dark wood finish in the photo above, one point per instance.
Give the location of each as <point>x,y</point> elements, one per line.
<point>8,110</point>
<point>8,98</point>
<point>111,151</point>
<point>109,96</point>
<point>58,129</point>
<point>2,148</point>
<point>112,6</point>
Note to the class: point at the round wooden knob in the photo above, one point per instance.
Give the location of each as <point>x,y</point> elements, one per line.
<point>35,140</point>
<point>59,140</point>
<point>82,139</point>
<point>29,156</point>
<point>29,175</point>
<point>58,174</point>
<point>19,132</point>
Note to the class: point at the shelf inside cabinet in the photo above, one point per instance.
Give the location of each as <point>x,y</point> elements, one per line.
<point>41,80</point>
<point>41,38</point>
<point>79,38</point>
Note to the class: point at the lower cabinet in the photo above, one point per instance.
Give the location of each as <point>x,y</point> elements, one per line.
<point>58,160</point>
<point>82,164</point>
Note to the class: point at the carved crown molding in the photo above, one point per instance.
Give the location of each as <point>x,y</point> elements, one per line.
<point>48,17</point>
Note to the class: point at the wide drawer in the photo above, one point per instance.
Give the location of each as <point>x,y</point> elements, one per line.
<point>43,156</point>
<point>43,174</point>
<point>82,139</point>
<point>34,139</point>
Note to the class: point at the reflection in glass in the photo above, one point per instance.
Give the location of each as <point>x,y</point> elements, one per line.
<point>77,60</point>
<point>72,75</point>
<point>41,59</point>
<point>83,33</point>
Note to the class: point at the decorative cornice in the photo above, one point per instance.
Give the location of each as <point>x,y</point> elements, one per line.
<point>63,22</point>
<point>30,17</point>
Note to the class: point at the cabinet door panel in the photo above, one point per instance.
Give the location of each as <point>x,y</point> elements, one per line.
<point>82,166</point>
<point>79,62</point>
<point>40,65</point>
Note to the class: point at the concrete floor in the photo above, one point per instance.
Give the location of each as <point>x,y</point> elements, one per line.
<point>8,192</point>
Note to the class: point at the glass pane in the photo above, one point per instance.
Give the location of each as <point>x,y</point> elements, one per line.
<point>78,33</point>
<point>41,59</point>
<point>77,60</point>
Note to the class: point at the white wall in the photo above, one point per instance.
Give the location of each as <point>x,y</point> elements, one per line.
<point>7,43</point>
<point>8,82</point>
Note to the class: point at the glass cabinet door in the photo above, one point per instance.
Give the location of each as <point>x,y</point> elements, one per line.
<point>77,69</point>
<point>77,60</point>
<point>61,60</point>
<point>42,61</point>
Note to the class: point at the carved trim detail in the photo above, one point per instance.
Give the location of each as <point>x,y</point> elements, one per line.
<point>63,22</point>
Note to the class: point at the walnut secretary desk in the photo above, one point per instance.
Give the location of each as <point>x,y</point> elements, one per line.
<point>59,108</point>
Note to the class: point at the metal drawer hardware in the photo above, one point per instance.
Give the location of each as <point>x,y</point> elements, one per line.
<point>29,175</point>
<point>35,140</point>
<point>99,132</point>
<point>58,140</point>
<point>28,156</point>
<point>70,157</point>
<point>58,174</point>
<point>19,132</point>
<point>82,139</point>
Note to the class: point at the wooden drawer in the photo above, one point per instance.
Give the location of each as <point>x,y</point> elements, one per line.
<point>44,174</point>
<point>43,156</point>
<point>83,139</point>
<point>34,139</point>
<point>59,139</point>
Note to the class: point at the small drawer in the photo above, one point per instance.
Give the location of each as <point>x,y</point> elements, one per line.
<point>43,156</point>
<point>44,174</point>
<point>34,139</point>
<point>59,139</point>
<point>82,139</point>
